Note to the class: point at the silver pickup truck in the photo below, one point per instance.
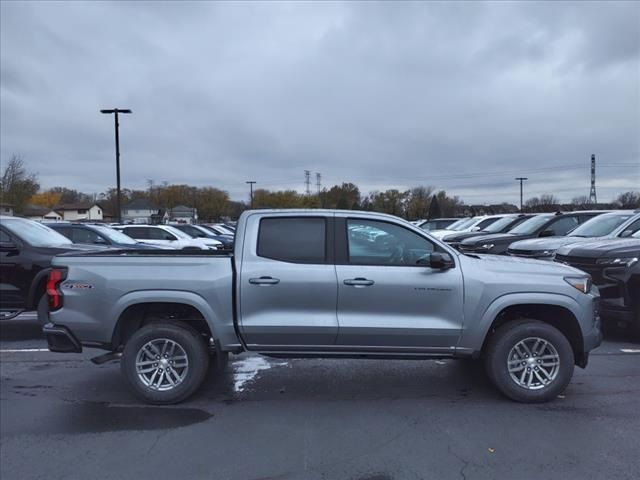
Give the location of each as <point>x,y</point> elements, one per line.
<point>323,283</point>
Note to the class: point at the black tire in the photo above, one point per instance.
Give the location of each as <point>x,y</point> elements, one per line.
<point>498,353</point>
<point>193,346</point>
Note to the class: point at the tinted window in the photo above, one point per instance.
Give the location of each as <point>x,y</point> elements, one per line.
<point>379,243</point>
<point>634,228</point>
<point>66,231</point>
<point>296,240</point>
<point>485,223</point>
<point>4,236</point>
<point>161,234</point>
<point>84,235</point>
<point>141,233</point>
<point>563,225</point>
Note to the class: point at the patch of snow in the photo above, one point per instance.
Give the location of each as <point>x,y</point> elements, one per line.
<point>245,370</point>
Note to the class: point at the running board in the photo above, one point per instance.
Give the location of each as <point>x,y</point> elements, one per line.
<point>107,357</point>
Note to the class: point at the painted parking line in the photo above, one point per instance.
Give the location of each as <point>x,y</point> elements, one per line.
<point>630,350</point>
<point>18,350</point>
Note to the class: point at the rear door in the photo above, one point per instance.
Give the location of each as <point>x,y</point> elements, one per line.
<point>14,282</point>
<point>386,300</point>
<point>287,283</point>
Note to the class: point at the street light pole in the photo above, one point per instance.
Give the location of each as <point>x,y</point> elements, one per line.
<point>116,111</point>
<point>521,179</point>
<point>251,183</point>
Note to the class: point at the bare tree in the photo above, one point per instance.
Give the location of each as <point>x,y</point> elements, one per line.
<point>628,200</point>
<point>17,185</point>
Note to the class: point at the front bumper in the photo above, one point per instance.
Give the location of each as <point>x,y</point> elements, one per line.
<point>60,339</point>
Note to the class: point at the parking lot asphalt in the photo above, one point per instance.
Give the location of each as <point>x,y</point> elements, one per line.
<point>63,417</point>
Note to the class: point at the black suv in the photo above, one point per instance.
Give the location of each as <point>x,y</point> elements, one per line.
<point>26,250</point>
<point>542,225</point>
<point>91,234</point>
<point>614,266</point>
<point>505,224</point>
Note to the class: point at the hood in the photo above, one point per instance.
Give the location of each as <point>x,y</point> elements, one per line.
<point>548,243</point>
<point>603,248</point>
<point>460,236</point>
<point>494,238</point>
<point>519,265</point>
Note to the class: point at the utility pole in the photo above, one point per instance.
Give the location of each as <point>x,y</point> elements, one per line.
<point>251,183</point>
<point>521,179</point>
<point>592,194</point>
<point>318,183</point>
<point>307,181</point>
<point>116,111</point>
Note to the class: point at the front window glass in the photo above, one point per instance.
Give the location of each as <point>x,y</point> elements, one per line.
<point>35,233</point>
<point>459,226</point>
<point>372,242</point>
<point>115,236</point>
<point>530,226</point>
<point>176,232</point>
<point>600,225</point>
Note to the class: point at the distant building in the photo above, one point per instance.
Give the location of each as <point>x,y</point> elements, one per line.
<point>6,209</point>
<point>36,212</point>
<point>140,211</point>
<point>183,214</point>
<point>74,212</point>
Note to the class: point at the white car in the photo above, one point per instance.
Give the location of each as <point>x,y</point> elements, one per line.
<point>165,235</point>
<point>470,224</point>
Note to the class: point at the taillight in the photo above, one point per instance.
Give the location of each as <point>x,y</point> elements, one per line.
<point>56,276</point>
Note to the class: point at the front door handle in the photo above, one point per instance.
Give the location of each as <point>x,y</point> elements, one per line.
<point>264,281</point>
<point>359,282</point>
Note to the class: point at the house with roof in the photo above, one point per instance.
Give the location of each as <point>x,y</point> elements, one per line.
<point>140,210</point>
<point>183,214</point>
<point>74,212</point>
<point>36,212</point>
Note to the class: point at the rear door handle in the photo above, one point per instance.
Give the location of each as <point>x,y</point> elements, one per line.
<point>264,281</point>
<point>359,282</point>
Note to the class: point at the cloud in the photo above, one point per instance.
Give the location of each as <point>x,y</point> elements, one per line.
<point>380,94</point>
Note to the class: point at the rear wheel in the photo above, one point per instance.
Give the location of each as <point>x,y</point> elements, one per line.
<point>529,361</point>
<point>165,363</point>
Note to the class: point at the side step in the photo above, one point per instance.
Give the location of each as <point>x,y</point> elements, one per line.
<point>107,357</point>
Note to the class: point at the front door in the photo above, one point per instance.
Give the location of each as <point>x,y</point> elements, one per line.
<point>386,300</point>
<point>14,283</point>
<point>287,285</point>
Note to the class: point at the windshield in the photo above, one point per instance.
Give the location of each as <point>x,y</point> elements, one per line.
<point>600,225</point>
<point>498,225</point>
<point>114,235</point>
<point>529,226</point>
<point>462,225</point>
<point>35,233</point>
<point>178,233</point>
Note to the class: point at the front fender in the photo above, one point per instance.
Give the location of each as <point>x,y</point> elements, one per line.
<point>475,331</point>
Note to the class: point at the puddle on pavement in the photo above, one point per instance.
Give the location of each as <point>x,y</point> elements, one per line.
<point>95,417</point>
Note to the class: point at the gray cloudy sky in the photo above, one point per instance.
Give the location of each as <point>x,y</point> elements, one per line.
<point>461,96</point>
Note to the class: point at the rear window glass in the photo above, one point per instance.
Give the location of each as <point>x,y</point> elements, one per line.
<point>296,240</point>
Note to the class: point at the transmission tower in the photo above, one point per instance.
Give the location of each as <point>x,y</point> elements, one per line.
<point>592,194</point>
<point>307,181</point>
<point>318,183</point>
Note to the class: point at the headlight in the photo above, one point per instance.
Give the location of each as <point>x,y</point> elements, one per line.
<point>579,283</point>
<point>618,262</point>
<point>486,246</point>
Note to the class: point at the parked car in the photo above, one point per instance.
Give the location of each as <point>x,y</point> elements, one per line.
<point>436,223</point>
<point>542,225</point>
<point>219,229</point>
<point>199,231</point>
<point>506,223</point>
<point>26,250</point>
<point>164,235</point>
<point>472,224</point>
<point>92,234</point>
<point>614,266</point>
<point>308,283</point>
<point>620,224</point>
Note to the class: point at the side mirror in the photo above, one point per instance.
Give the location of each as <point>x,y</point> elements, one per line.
<point>8,247</point>
<point>626,234</point>
<point>546,233</point>
<point>100,241</point>
<point>436,260</point>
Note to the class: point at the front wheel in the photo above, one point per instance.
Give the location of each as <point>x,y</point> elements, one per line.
<point>529,361</point>
<point>165,363</point>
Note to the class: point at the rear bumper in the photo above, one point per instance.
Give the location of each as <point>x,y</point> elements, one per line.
<point>60,339</point>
